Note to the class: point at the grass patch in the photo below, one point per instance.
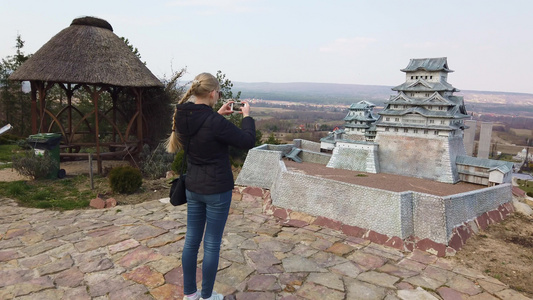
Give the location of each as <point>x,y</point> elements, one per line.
<point>7,151</point>
<point>5,165</point>
<point>65,194</point>
<point>525,185</point>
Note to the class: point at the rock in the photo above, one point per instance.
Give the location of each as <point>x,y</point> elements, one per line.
<point>111,202</point>
<point>97,203</point>
<point>523,208</point>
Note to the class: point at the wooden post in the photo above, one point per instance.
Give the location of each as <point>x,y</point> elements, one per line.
<point>33,107</point>
<point>95,95</point>
<point>138,94</point>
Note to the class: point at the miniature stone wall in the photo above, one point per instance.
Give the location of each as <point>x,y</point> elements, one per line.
<point>260,167</point>
<point>425,157</point>
<point>460,233</point>
<point>405,220</point>
<point>356,157</point>
<point>347,203</point>
<point>307,145</point>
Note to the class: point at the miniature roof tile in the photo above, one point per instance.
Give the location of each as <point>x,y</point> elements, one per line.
<point>428,64</point>
<point>502,166</point>
<point>362,105</point>
<point>425,86</point>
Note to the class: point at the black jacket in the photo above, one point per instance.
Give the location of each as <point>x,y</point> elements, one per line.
<point>208,136</point>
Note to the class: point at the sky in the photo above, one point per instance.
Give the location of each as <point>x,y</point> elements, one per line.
<point>488,43</point>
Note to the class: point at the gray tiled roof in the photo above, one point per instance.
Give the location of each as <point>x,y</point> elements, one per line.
<point>424,86</point>
<point>362,105</point>
<point>453,113</point>
<point>428,64</point>
<point>365,118</point>
<point>434,99</point>
<point>491,164</point>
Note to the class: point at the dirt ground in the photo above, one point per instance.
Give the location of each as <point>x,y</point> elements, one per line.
<point>503,251</point>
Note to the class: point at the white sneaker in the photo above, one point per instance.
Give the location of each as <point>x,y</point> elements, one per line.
<point>214,296</point>
<point>196,297</point>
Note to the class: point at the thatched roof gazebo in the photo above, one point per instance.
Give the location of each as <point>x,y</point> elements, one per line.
<point>87,55</point>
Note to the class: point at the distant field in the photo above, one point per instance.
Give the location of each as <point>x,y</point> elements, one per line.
<point>523,132</point>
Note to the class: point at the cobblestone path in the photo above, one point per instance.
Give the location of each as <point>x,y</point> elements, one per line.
<point>134,252</point>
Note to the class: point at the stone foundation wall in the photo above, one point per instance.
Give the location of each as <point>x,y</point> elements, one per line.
<point>406,220</point>
<point>429,157</point>
<point>348,203</point>
<point>459,235</point>
<point>358,158</point>
<point>307,145</point>
<point>257,169</point>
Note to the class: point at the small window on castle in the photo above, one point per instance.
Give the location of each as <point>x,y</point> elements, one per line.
<point>387,119</point>
<point>430,77</point>
<point>415,130</point>
<point>442,122</point>
<point>395,129</point>
<point>426,77</point>
<point>395,106</point>
<point>405,130</point>
<point>416,77</point>
<point>397,119</point>
<point>436,132</point>
<point>426,131</point>
<point>431,121</point>
<point>412,77</point>
<point>386,128</point>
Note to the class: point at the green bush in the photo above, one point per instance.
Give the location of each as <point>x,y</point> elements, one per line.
<point>530,194</point>
<point>125,179</point>
<point>35,165</point>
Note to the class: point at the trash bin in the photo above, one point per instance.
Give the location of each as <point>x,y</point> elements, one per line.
<point>48,142</point>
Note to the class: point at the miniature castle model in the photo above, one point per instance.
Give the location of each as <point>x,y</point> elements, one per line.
<point>359,121</point>
<point>420,130</point>
<point>419,133</point>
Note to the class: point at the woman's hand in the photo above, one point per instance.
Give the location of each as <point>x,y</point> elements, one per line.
<point>245,109</point>
<point>226,109</point>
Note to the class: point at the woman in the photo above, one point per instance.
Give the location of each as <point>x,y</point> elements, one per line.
<point>206,136</point>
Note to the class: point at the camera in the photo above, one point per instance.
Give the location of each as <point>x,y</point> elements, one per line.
<point>236,106</point>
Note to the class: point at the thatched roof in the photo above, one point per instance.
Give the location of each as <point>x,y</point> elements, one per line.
<point>87,52</point>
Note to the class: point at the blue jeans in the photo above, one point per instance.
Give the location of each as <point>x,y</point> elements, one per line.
<point>201,210</point>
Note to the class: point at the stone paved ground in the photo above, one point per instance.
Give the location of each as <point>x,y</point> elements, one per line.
<point>133,252</point>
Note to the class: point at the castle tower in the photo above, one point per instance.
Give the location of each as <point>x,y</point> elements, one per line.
<point>420,130</point>
<point>359,120</point>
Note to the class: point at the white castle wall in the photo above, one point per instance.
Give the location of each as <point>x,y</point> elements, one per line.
<point>355,156</point>
<point>429,157</point>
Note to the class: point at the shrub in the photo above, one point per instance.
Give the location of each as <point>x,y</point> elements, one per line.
<point>530,194</point>
<point>8,138</point>
<point>155,164</point>
<point>125,179</point>
<point>34,165</point>
<point>178,161</point>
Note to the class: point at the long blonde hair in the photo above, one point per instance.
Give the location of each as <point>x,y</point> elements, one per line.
<point>201,86</point>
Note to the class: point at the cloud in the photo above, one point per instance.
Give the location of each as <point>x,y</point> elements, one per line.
<point>214,6</point>
<point>347,45</point>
